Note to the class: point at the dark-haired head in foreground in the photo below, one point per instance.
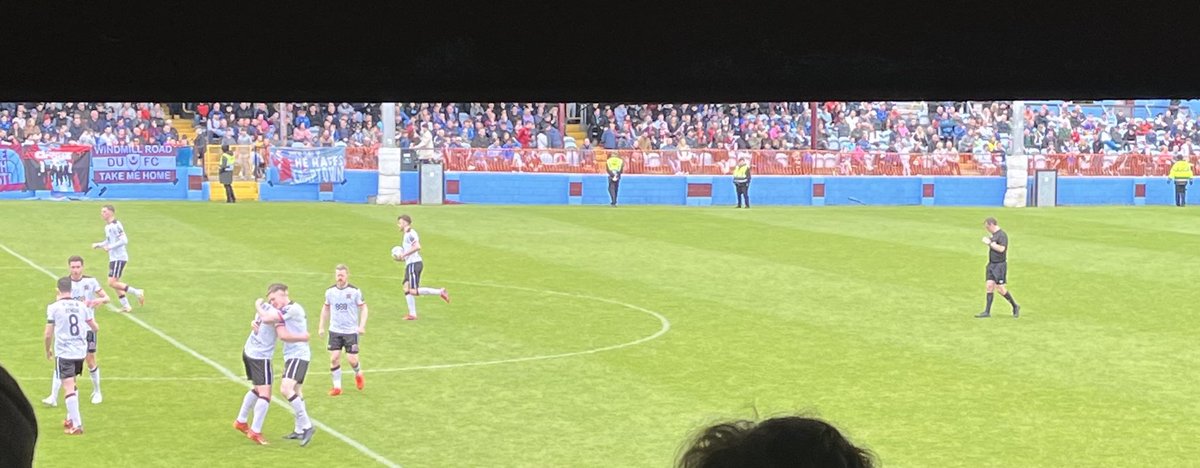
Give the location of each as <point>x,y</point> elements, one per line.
<point>775,443</point>
<point>18,430</point>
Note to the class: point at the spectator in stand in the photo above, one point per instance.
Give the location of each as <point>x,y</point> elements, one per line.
<point>107,137</point>
<point>525,134</point>
<point>302,119</point>
<point>555,136</point>
<point>200,147</point>
<point>245,157</point>
<point>542,141</point>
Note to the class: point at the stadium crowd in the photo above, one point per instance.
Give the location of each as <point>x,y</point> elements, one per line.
<point>851,137</point>
<point>108,124</point>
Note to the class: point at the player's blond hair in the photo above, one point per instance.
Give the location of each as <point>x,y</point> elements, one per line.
<point>342,267</point>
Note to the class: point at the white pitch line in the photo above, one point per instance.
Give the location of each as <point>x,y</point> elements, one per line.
<point>226,372</point>
<point>665,325</point>
<point>150,379</point>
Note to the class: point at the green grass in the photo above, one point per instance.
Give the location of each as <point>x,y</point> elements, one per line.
<point>858,315</point>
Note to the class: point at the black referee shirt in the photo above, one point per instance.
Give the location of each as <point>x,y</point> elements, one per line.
<point>1000,237</point>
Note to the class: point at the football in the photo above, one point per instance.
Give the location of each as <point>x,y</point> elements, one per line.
<point>396,251</point>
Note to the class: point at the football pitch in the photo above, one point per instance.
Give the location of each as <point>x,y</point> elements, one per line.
<point>600,337</point>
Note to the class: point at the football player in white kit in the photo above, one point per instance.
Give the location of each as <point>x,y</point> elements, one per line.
<point>410,254</point>
<point>257,353</point>
<point>66,343</point>
<point>115,242</point>
<point>296,356</point>
<point>87,290</point>
<point>346,313</point>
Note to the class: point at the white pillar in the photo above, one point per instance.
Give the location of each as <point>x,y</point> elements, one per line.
<point>1017,174</point>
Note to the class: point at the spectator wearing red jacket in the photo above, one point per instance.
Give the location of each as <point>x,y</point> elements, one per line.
<point>525,134</point>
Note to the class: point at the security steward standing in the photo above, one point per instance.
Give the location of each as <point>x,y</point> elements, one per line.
<point>1181,174</point>
<point>741,182</point>
<point>615,166</point>
<point>226,173</point>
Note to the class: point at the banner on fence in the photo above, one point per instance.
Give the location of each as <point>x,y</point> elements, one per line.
<point>58,168</point>
<point>149,164</point>
<point>12,170</point>
<point>310,165</point>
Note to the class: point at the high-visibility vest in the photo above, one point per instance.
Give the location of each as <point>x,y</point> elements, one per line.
<point>227,162</point>
<point>615,164</point>
<point>740,173</point>
<point>1181,170</point>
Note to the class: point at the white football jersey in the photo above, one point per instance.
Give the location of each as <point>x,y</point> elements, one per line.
<point>85,290</point>
<point>296,323</point>
<point>344,305</point>
<point>116,240</point>
<point>69,318</point>
<point>261,344</point>
<point>411,238</point>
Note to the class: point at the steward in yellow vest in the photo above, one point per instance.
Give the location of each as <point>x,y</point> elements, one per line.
<point>1181,174</point>
<point>615,166</point>
<point>741,182</point>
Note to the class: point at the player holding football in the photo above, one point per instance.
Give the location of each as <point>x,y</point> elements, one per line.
<point>87,290</point>
<point>346,314</point>
<point>115,242</point>
<point>410,254</point>
<point>266,327</point>
<point>997,268</point>
<point>65,341</point>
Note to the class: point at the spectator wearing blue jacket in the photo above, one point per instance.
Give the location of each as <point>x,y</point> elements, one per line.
<point>609,138</point>
<point>555,137</point>
<point>302,118</point>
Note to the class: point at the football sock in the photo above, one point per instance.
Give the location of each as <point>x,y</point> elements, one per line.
<point>73,410</point>
<point>247,405</point>
<point>988,309</point>
<point>429,291</point>
<point>337,376</point>
<point>260,414</point>
<point>1010,299</point>
<point>124,301</point>
<point>412,304</point>
<point>358,368</point>
<point>302,421</point>
<point>95,379</point>
<point>55,385</point>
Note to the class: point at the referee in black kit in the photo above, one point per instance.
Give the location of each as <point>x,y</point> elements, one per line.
<point>997,267</point>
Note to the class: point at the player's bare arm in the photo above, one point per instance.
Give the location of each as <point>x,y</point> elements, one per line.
<point>267,313</point>
<point>49,338</point>
<point>323,320</point>
<point>101,299</point>
<point>362,320</point>
<point>289,337</point>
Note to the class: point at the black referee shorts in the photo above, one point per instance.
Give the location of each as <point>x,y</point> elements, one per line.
<point>997,272</point>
